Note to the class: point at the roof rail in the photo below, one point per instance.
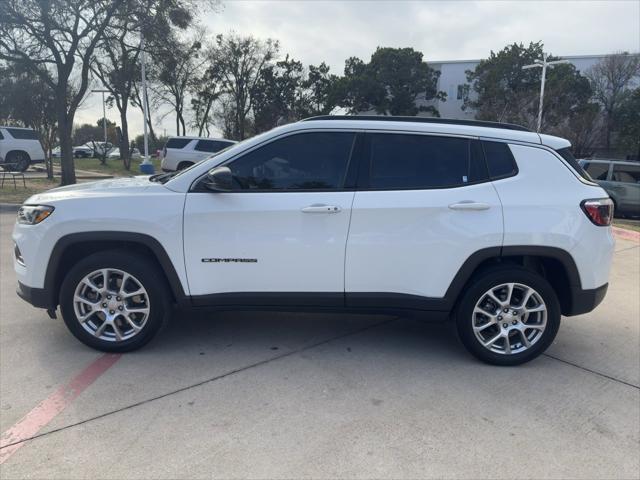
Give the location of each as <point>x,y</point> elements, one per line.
<point>449,121</point>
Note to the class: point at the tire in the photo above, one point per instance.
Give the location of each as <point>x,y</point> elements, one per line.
<point>183,165</point>
<point>536,322</point>
<point>105,309</point>
<point>19,161</point>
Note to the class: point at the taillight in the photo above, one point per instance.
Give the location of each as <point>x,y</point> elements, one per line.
<point>599,211</point>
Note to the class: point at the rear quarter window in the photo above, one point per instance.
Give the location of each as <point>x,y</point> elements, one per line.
<point>568,157</point>
<point>177,143</point>
<point>500,161</point>
<point>22,134</point>
<point>211,146</point>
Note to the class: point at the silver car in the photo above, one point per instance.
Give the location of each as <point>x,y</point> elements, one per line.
<point>621,180</point>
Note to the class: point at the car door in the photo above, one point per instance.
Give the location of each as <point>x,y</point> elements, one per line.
<point>626,184</point>
<point>423,206</point>
<point>279,237</point>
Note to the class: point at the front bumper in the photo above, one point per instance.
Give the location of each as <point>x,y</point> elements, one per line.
<point>38,297</point>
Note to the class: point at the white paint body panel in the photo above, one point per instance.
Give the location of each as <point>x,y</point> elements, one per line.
<point>405,241</point>
<point>295,251</point>
<point>126,205</point>
<point>411,242</point>
<point>542,207</point>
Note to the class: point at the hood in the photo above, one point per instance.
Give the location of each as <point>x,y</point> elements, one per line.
<point>111,187</point>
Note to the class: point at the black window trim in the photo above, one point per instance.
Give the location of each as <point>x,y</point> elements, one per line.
<point>352,162</point>
<point>364,173</point>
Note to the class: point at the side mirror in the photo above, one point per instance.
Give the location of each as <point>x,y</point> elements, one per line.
<point>219,179</point>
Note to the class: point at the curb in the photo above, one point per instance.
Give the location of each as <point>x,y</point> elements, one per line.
<point>625,234</point>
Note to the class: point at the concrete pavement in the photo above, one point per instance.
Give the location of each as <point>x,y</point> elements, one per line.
<point>269,395</point>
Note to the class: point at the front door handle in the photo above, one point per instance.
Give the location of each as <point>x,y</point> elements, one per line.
<point>469,205</point>
<point>321,208</point>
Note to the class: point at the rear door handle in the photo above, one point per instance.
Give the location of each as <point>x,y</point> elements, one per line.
<point>321,208</point>
<point>469,205</point>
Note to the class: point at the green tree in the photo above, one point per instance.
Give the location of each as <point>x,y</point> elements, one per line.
<point>56,40</point>
<point>396,81</point>
<point>277,94</point>
<point>27,101</point>
<point>627,123</point>
<point>504,92</point>
<point>241,61</point>
<point>610,78</point>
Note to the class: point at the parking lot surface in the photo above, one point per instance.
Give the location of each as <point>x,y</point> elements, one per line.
<point>274,395</point>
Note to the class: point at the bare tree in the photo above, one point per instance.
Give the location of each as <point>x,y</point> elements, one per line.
<point>56,40</point>
<point>610,78</point>
<point>178,63</point>
<point>241,61</point>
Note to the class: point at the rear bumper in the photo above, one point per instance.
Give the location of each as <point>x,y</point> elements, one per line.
<point>584,301</point>
<point>38,297</point>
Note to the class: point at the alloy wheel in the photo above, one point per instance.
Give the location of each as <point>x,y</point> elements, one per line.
<point>509,318</point>
<point>111,304</point>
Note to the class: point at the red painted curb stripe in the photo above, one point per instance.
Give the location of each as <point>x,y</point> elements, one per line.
<point>50,407</point>
<point>626,234</point>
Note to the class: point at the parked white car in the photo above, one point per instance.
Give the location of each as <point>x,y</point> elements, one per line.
<point>115,153</point>
<point>490,225</point>
<point>182,152</point>
<point>19,148</point>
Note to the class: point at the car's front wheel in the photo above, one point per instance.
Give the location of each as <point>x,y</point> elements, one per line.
<point>508,316</point>
<point>114,301</point>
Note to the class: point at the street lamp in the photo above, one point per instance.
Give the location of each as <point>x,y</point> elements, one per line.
<point>104,119</point>
<point>146,166</point>
<point>543,64</point>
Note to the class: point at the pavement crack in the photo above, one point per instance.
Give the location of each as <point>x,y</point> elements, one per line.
<point>204,382</point>
<point>595,372</point>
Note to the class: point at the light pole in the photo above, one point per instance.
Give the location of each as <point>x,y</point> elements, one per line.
<point>104,120</point>
<point>146,166</point>
<point>544,64</point>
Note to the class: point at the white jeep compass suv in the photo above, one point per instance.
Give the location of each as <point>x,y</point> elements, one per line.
<point>491,225</point>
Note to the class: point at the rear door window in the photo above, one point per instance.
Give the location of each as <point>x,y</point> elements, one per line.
<point>597,170</point>
<point>626,173</point>
<point>177,143</point>
<point>401,161</point>
<point>22,134</point>
<point>211,146</point>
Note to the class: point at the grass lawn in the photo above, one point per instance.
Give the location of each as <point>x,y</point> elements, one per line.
<point>628,224</point>
<point>8,194</point>
<point>114,166</point>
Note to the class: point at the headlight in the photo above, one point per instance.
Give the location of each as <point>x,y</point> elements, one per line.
<point>33,214</point>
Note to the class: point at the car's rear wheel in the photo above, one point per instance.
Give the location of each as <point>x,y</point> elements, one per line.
<point>17,161</point>
<point>114,301</point>
<point>183,165</point>
<point>508,316</point>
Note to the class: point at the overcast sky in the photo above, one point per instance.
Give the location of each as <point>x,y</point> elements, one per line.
<point>331,31</point>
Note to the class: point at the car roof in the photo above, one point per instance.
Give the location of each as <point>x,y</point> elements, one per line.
<point>17,128</point>
<point>610,160</point>
<point>204,138</point>
<point>486,130</point>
